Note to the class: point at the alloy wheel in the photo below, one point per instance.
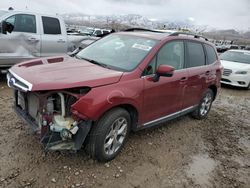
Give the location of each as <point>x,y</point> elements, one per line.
<point>116,136</point>
<point>205,105</point>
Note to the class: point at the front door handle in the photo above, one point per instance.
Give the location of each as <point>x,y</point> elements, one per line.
<point>183,79</point>
<point>33,39</point>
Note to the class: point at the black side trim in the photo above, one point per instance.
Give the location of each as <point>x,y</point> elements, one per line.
<point>164,120</point>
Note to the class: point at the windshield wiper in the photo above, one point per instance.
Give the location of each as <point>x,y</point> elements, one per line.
<point>93,62</point>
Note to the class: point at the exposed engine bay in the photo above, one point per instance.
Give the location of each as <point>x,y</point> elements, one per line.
<point>50,115</point>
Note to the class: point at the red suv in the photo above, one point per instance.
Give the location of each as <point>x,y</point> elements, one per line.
<point>124,82</point>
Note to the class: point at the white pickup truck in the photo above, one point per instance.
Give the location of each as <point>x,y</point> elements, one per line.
<point>25,35</point>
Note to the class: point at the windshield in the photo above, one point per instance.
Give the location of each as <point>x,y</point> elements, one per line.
<point>118,51</point>
<point>2,12</point>
<point>240,57</point>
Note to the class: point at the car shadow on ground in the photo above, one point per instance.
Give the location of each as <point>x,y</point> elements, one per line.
<point>2,78</point>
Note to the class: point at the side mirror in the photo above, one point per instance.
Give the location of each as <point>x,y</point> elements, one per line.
<point>6,27</point>
<point>163,70</point>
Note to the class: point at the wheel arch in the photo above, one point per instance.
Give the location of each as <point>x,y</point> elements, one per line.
<point>131,109</point>
<point>214,89</point>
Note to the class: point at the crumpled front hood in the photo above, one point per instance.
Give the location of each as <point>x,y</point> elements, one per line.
<point>60,73</point>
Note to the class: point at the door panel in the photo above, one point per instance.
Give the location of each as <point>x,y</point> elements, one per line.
<point>163,97</point>
<point>23,43</point>
<point>194,90</point>
<point>197,73</point>
<point>54,40</point>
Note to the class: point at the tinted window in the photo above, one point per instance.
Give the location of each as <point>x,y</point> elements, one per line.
<point>196,56</point>
<point>51,26</point>
<point>23,23</point>
<point>98,32</point>
<point>211,54</point>
<point>105,32</point>
<point>172,54</point>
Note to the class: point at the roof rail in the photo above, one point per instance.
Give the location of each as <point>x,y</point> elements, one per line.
<point>191,34</point>
<point>141,29</point>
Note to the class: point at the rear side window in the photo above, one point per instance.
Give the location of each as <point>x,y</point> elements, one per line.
<point>196,56</point>
<point>211,54</point>
<point>51,26</point>
<point>23,23</point>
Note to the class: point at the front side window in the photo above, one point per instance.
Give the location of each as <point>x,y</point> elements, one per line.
<point>51,26</point>
<point>11,20</point>
<point>23,23</point>
<point>122,52</point>
<point>211,54</point>
<point>172,54</point>
<point>196,56</point>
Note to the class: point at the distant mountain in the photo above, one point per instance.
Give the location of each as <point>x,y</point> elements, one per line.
<point>120,22</point>
<point>127,20</point>
<point>247,35</point>
<point>233,35</point>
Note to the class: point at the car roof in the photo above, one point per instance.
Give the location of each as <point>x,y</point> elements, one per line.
<point>155,35</point>
<point>146,34</point>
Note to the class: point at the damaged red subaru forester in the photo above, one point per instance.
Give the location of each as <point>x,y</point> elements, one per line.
<point>124,82</point>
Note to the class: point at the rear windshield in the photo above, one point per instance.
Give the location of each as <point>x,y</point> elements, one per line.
<point>239,57</point>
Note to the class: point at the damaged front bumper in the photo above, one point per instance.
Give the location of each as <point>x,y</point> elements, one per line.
<point>56,132</point>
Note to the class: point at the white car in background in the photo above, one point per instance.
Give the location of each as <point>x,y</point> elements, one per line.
<point>236,65</point>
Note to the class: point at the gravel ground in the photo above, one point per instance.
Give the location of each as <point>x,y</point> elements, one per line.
<point>214,152</point>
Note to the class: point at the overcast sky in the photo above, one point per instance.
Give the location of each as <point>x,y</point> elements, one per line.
<point>222,14</point>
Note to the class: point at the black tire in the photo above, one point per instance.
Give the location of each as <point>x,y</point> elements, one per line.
<point>101,130</point>
<point>204,107</point>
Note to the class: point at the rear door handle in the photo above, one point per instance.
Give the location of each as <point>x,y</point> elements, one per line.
<point>61,41</point>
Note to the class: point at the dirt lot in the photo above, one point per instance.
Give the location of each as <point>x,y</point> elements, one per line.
<point>214,152</point>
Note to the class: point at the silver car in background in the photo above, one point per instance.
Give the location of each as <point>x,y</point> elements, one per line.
<point>34,35</point>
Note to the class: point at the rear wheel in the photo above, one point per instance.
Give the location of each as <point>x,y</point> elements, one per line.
<point>109,134</point>
<point>205,105</point>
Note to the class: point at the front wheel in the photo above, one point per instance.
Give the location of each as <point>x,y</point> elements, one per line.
<point>205,105</point>
<point>109,134</point>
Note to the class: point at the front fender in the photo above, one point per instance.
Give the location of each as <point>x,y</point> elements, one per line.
<point>99,100</point>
